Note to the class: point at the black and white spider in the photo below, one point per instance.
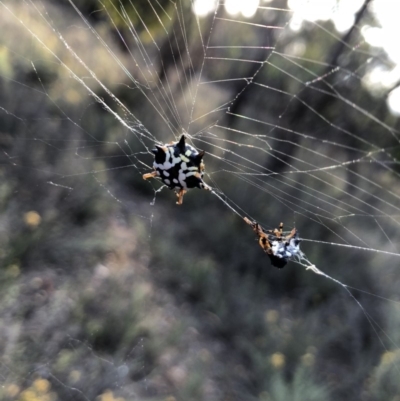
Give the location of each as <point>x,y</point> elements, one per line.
<point>179,166</point>
<point>279,248</point>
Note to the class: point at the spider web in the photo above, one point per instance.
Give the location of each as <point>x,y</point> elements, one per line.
<point>292,133</point>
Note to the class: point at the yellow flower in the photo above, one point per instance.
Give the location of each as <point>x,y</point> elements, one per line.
<point>28,395</point>
<point>278,360</point>
<point>388,357</point>
<point>108,396</point>
<point>38,391</point>
<point>74,376</point>
<point>41,385</point>
<point>32,219</point>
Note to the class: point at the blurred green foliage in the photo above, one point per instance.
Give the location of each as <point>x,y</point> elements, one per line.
<point>105,297</point>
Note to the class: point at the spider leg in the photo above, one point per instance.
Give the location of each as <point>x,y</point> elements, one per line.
<point>291,235</point>
<point>150,175</point>
<point>202,184</point>
<point>249,222</point>
<point>180,195</point>
<point>263,240</point>
<point>265,245</point>
<point>256,227</point>
<point>278,232</point>
<point>275,232</point>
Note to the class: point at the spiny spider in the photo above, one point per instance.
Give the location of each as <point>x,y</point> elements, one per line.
<point>279,248</point>
<point>179,166</point>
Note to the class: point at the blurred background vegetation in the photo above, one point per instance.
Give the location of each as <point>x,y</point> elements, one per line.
<point>106,295</point>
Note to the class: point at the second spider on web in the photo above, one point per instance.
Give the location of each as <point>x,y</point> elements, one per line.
<point>279,248</point>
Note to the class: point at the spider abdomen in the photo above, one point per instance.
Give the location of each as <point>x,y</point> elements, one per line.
<point>179,165</point>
